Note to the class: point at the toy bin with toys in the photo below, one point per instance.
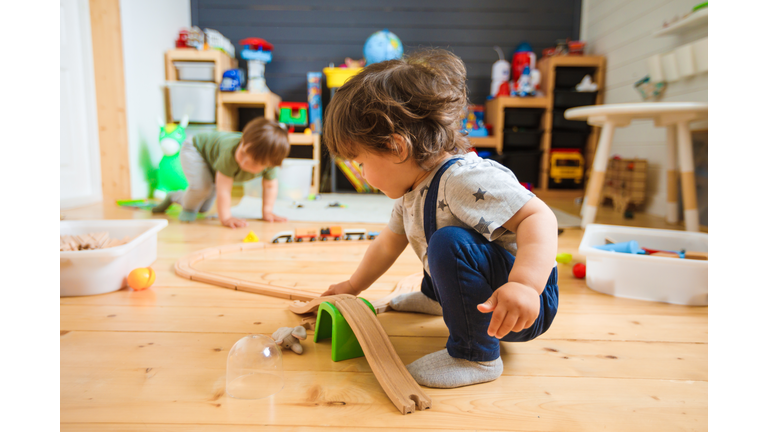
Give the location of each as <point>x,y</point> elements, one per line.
<point>103,270</point>
<point>643,277</point>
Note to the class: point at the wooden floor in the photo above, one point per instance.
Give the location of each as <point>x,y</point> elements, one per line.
<point>156,360</point>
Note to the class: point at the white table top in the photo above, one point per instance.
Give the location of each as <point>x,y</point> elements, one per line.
<point>637,110</point>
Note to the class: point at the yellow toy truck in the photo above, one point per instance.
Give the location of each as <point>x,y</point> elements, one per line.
<point>566,167</point>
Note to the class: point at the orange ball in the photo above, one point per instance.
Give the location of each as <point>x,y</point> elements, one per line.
<point>141,278</point>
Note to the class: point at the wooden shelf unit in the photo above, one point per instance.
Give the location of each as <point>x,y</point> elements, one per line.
<point>494,114</point>
<point>227,104</point>
<point>548,67</point>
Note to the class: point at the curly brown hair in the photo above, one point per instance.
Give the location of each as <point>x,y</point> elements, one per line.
<point>421,98</point>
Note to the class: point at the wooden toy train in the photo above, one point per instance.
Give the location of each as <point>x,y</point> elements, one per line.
<point>324,234</point>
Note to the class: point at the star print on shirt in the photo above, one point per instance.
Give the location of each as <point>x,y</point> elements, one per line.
<point>424,189</point>
<point>442,204</point>
<point>479,195</point>
<point>482,226</point>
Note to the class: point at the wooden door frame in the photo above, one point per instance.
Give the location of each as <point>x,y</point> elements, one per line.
<point>106,34</point>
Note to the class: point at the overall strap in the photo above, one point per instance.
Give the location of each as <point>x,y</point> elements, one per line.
<point>430,203</point>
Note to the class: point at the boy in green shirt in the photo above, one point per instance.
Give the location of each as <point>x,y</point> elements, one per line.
<point>213,161</point>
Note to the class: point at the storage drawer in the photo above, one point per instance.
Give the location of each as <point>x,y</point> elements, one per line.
<point>572,98</point>
<point>569,139</point>
<point>524,164</point>
<point>559,122</point>
<point>195,71</point>
<point>522,117</point>
<point>522,138</point>
<point>568,77</point>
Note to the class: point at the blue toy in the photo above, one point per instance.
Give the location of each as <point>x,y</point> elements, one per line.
<point>382,46</point>
<point>232,80</point>
<point>630,247</point>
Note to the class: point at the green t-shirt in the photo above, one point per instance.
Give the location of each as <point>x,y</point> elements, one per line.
<point>218,150</point>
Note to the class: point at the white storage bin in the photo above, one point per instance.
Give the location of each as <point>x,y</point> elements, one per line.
<point>101,271</point>
<point>641,277</point>
<point>198,100</point>
<point>294,181</point>
<point>195,71</point>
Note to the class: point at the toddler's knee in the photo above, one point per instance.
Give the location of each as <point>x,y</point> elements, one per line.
<point>447,238</point>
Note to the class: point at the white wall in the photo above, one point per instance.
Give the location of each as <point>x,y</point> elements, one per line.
<point>149,28</point>
<point>621,30</point>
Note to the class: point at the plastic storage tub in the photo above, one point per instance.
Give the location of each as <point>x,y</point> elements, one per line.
<point>101,271</point>
<point>524,164</point>
<point>195,71</point>
<point>198,100</point>
<point>294,180</point>
<point>559,122</point>
<point>669,280</point>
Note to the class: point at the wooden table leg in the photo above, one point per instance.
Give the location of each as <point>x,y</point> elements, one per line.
<point>596,180</point>
<point>687,177</point>
<point>672,216</point>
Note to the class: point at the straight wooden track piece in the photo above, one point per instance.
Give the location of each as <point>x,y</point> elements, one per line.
<point>394,378</point>
<point>304,307</point>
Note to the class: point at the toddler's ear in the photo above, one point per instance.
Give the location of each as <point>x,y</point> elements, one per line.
<point>400,147</point>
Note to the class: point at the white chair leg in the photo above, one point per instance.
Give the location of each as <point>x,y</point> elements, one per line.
<point>672,212</point>
<point>596,180</point>
<point>687,177</point>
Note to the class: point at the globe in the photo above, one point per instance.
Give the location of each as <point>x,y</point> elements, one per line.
<point>382,46</point>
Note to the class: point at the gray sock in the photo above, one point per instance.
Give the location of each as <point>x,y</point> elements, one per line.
<point>440,370</point>
<point>170,198</point>
<point>416,302</point>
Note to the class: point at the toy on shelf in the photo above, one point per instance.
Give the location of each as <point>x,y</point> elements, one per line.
<point>141,278</point>
<point>170,176</point>
<point>192,38</point>
<point>232,80</point>
<point>289,337</point>
<point>473,121</point>
<point>216,40</point>
<point>525,85</point>
<point>566,167</point>
<point>525,77</point>
<point>565,47</point>
<point>625,182</point>
<point>351,63</point>
<point>293,114</point>
<point>258,53</point>
<point>382,46</point>
<point>500,75</point>
<point>315,102</point>
<point>586,85</point>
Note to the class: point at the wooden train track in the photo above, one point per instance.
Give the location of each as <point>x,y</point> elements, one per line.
<point>394,378</point>
<point>184,267</point>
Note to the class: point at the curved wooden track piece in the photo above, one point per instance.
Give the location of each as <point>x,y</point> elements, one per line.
<point>394,378</point>
<point>184,269</point>
<point>300,307</point>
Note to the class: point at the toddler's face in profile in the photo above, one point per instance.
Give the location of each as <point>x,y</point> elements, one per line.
<point>386,173</point>
<point>246,162</point>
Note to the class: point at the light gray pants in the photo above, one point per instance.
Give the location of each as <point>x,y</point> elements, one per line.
<point>201,190</point>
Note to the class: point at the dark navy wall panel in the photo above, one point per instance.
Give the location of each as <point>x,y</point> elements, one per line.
<point>310,34</point>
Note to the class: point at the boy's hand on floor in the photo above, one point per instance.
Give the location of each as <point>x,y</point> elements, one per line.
<point>515,307</point>
<point>234,223</point>
<point>341,288</point>
<point>271,217</point>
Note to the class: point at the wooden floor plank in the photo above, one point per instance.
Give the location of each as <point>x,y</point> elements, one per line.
<point>652,328</point>
<point>197,396</point>
<point>126,351</point>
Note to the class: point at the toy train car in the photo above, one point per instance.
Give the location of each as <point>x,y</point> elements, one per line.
<point>335,233</point>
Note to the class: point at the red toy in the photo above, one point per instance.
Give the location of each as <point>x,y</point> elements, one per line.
<point>580,270</point>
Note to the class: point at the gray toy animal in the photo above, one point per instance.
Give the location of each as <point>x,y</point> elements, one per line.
<point>289,337</point>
